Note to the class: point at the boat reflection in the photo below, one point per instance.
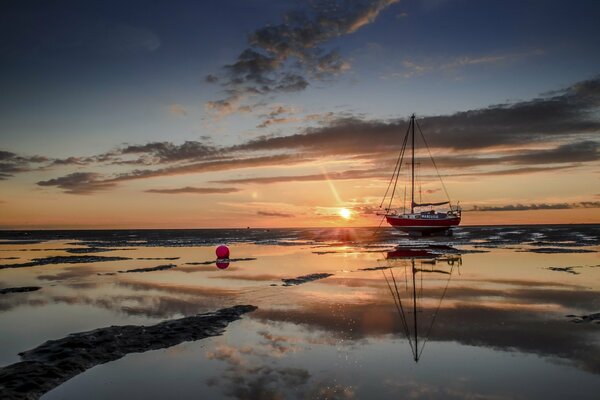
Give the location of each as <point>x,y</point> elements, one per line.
<point>410,270</point>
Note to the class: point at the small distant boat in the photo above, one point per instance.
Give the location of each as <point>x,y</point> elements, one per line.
<point>418,221</point>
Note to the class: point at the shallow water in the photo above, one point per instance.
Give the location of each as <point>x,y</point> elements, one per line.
<point>481,314</point>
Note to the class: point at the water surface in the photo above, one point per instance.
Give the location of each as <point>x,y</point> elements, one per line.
<point>481,314</point>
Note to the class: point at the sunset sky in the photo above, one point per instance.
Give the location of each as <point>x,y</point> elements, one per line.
<point>236,113</point>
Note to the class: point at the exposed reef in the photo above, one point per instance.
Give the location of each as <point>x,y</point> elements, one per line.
<point>150,269</point>
<point>56,361</point>
<point>557,250</point>
<point>63,260</point>
<point>19,289</point>
<point>89,250</point>
<point>568,270</point>
<point>373,268</point>
<point>304,278</point>
<point>595,318</point>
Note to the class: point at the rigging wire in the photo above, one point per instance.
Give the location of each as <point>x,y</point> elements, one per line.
<point>436,312</point>
<point>434,164</point>
<point>396,168</point>
<point>399,166</point>
<point>404,316</point>
<point>404,201</point>
<point>398,303</point>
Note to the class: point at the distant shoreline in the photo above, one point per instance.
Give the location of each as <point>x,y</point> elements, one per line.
<point>2,230</point>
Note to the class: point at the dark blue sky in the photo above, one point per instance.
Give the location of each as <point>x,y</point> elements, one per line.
<point>178,98</point>
<point>72,69</point>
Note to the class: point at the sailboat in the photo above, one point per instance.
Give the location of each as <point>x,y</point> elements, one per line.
<point>419,221</point>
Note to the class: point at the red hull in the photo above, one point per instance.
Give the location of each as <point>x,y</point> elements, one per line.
<point>422,224</point>
<point>409,253</point>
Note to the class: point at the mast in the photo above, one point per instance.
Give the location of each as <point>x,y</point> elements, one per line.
<point>415,310</point>
<point>412,200</point>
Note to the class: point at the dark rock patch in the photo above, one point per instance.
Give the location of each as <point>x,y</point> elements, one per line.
<point>305,278</point>
<point>19,289</point>
<point>373,268</point>
<point>557,250</point>
<point>150,269</point>
<point>88,250</point>
<point>57,361</point>
<point>568,270</point>
<point>63,260</point>
<point>158,258</point>
<point>595,318</point>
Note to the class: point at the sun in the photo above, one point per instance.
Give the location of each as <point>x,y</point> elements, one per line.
<point>345,213</point>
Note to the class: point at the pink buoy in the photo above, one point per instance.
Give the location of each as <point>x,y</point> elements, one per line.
<point>222,251</point>
<point>222,264</point>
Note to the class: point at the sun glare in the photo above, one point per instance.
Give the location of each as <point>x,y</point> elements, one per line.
<point>345,213</point>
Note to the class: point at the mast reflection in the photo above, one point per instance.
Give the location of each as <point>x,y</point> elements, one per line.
<point>414,267</point>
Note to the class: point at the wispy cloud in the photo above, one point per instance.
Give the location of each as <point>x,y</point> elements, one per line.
<point>87,183</point>
<point>194,190</point>
<point>166,152</point>
<point>538,206</point>
<point>274,214</point>
<point>417,67</point>
<point>79,183</point>
<point>351,174</point>
<point>11,163</point>
<point>178,109</point>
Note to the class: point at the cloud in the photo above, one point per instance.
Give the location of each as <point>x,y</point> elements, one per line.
<point>570,113</point>
<point>277,110</point>
<point>276,121</point>
<point>209,166</point>
<point>552,132</point>
<point>412,67</point>
<point>166,152</point>
<point>568,153</point>
<point>539,206</point>
<point>87,182</point>
<point>283,57</point>
<point>350,174</point>
<point>11,163</point>
<point>73,161</point>
<point>211,78</point>
<point>274,214</point>
<point>195,190</point>
<point>515,171</point>
<point>275,117</point>
<point>79,183</point>
<point>178,109</point>
<point>6,155</point>
<point>229,105</point>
